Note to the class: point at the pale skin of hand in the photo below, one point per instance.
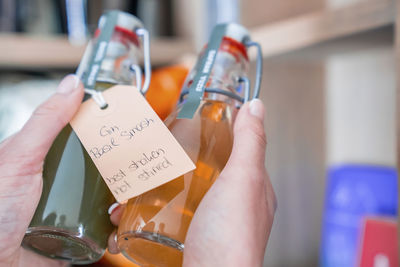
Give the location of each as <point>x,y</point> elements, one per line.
<point>241,203</point>
<point>232,224</point>
<point>21,163</point>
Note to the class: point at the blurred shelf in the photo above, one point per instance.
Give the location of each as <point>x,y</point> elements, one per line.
<point>323,26</point>
<point>380,38</point>
<point>283,37</point>
<point>20,51</point>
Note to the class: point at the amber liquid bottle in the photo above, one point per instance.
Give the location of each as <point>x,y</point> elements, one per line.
<point>71,221</point>
<point>153,227</point>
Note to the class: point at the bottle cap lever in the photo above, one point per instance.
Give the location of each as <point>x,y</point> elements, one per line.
<point>259,68</point>
<point>146,58</point>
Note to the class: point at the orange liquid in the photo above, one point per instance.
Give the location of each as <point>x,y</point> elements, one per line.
<point>154,225</point>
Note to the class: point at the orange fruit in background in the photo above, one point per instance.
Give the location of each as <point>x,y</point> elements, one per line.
<point>165,88</point>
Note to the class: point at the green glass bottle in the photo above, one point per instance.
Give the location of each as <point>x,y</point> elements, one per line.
<point>71,221</point>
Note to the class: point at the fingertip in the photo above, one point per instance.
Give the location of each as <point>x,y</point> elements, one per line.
<point>249,134</point>
<point>50,117</point>
<point>256,108</point>
<point>249,122</point>
<point>70,84</point>
<point>112,207</point>
<point>78,82</point>
<point>116,214</point>
<point>112,243</point>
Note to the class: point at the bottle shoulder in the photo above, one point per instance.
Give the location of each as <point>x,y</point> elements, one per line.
<point>208,133</point>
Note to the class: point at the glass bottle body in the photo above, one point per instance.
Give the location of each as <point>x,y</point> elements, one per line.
<point>154,225</point>
<point>71,221</point>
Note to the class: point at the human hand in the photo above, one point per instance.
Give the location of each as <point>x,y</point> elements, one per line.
<point>21,162</point>
<point>232,224</point>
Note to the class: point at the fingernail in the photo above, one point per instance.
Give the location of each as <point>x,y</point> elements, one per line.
<point>68,84</point>
<point>112,207</point>
<point>257,108</point>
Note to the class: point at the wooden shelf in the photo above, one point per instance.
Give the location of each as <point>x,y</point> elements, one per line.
<point>381,38</point>
<point>294,34</point>
<point>322,26</point>
<point>32,52</point>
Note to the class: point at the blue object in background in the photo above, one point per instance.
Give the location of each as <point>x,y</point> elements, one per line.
<point>352,192</point>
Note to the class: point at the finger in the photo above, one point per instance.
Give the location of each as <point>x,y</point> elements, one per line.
<point>249,136</point>
<point>249,146</point>
<point>6,141</point>
<point>271,196</point>
<point>48,119</point>
<point>115,212</point>
<point>112,243</point>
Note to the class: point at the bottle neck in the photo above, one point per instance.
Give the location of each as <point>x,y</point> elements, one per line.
<point>231,63</point>
<point>122,52</point>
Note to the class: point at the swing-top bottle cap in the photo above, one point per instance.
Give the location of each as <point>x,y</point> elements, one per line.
<point>237,32</point>
<point>125,20</point>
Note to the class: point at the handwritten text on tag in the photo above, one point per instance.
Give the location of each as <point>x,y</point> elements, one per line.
<point>129,144</point>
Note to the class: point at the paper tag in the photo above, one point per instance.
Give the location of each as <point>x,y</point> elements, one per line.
<point>129,144</point>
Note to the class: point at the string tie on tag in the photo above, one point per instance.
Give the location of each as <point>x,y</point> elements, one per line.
<point>97,97</point>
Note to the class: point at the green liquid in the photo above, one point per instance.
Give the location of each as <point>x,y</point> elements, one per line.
<point>71,221</point>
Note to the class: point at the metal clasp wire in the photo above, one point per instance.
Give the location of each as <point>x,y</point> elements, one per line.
<point>144,34</point>
<point>97,97</point>
<point>246,83</point>
<point>215,91</point>
<point>259,68</point>
<point>244,80</point>
<point>138,74</point>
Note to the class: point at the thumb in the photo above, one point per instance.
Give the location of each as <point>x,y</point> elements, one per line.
<point>249,136</point>
<point>35,138</point>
